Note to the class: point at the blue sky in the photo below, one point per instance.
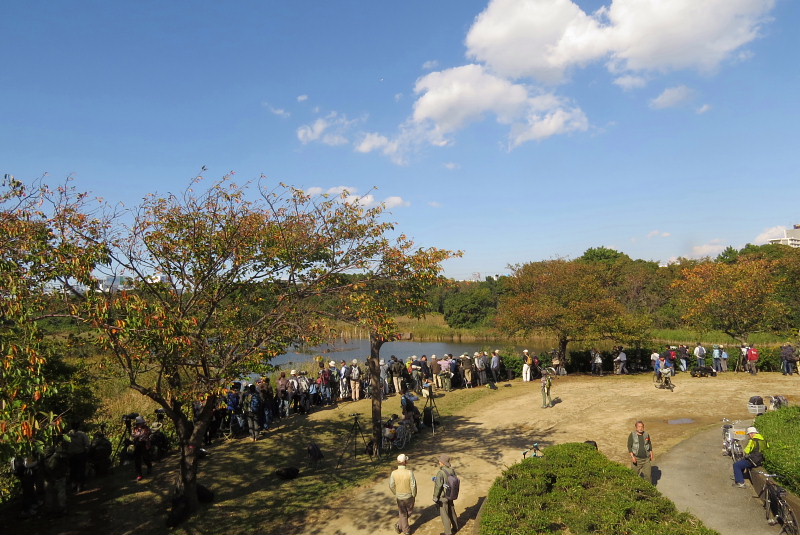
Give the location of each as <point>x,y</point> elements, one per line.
<point>513,130</point>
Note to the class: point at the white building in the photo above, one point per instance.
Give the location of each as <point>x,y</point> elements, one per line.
<point>791,237</point>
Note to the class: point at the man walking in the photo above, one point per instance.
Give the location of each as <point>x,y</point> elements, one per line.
<point>404,487</point>
<point>444,494</point>
<point>640,449</point>
<point>752,360</point>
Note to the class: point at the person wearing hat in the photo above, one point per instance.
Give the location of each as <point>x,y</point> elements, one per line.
<point>404,487</point>
<point>467,366</point>
<point>640,448</point>
<point>383,370</point>
<point>140,435</point>
<point>436,369</point>
<point>753,456</point>
<point>442,494</point>
<point>526,366</point>
<point>480,365</point>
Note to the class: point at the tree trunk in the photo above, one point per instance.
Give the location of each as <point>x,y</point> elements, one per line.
<point>190,437</point>
<point>562,350</point>
<point>375,343</point>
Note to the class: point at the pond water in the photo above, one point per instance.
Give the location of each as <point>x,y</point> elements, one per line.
<point>359,349</point>
<point>681,421</point>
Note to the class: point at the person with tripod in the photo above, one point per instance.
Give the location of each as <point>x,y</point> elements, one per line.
<point>404,487</point>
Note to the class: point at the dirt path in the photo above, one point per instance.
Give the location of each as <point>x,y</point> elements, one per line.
<point>489,438</point>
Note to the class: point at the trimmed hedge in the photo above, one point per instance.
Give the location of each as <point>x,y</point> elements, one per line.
<point>575,489</point>
<point>781,429</point>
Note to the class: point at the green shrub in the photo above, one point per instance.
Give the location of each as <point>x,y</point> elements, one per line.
<point>781,429</point>
<point>575,489</point>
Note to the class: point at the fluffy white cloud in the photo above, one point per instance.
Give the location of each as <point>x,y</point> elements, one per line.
<point>630,81</point>
<point>394,201</point>
<point>672,97</point>
<point>451,166</point>
<point>770,234</point>
<point>331,130</point>
<point>544,39</point>
<point>430,65</point>
<point>453,98</point>
<point>681,34</point>
<point>703,109</point>
<point>540,39</point>
<point>518,46</point>
<point>351,196</point>
<point>302,98</point>
<point>456,97</point>
<point>657,234</point>
<point>712,248</point>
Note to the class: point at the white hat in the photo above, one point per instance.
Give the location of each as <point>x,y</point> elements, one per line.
<point>402,458</point>
<point>433,356</point>
<point>382,362</point>
<point>293,372</point>
<point>497,351</point>
<point>332,363</point>
<point>355,361</point>
<point>524,350</point>
<point>751,430</point>
<point>476,354</point>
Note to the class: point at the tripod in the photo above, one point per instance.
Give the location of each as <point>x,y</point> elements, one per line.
<point>355,431</point>
<point>431,409</point>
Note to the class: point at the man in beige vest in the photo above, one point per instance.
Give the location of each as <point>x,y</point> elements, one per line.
<point>404,487</point>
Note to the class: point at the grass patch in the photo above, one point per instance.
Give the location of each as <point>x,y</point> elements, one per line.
<point>781,429</point>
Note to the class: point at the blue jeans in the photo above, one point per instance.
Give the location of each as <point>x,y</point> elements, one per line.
<point>683,364</point>
<point>701,361</point>
<point>738,469</point>
<point>718,365</point>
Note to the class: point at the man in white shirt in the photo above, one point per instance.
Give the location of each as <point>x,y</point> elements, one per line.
<point>404,487</point>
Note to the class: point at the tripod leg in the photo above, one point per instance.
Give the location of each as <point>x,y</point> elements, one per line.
<point>344,449</point>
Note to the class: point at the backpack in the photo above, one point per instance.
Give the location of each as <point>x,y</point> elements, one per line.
<point>247,403</point>
<point>529,360</point>
<point>302,385</point>
<point>756,400</point>
<point>355,373</point>
<point>451,486</point>
<point>326,377</point>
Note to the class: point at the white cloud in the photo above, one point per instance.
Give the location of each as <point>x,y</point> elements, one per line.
<point>630,81</point>
<point>672,97</point>
<point>392,202</point>
<point>280,112</point>
<point>430,65</point>
<point>658,234</point>
<point>398,97</point>
<point>770,234</point>
<point>703,109</point>
<point>434,204</point>
<point>330,130</point>
<point>302,98</point>
<point>712,248</point>
<point>516,47</point>
<point>451,166</point>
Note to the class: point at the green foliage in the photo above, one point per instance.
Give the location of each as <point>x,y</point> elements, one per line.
<point>575,489</point>
<point>470,307</point>
<point>781,428</point>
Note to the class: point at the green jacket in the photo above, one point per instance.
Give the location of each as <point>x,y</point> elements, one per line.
<point>440,480</point>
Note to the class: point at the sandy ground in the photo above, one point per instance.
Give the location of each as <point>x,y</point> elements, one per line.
<point>491,437</point>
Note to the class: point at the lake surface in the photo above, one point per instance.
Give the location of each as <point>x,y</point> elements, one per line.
<point>359,349</point>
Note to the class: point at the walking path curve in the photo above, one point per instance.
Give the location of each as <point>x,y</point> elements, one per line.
<point>491,435</point>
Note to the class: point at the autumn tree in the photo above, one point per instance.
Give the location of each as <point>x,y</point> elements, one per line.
<point>566,299</point>
<point>38,387</point>
<point>738,299</point>
<point>223,278</point>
